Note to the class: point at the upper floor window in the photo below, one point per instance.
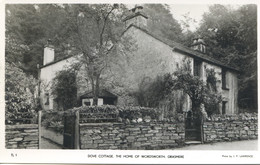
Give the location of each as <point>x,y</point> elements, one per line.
<point>197,67</point>
<point>47,101</point>
<point>224,79</point>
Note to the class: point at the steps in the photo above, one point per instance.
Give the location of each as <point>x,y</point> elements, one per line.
<point>192,142</point>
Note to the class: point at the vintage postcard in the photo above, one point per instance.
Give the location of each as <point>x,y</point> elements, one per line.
<point>144,82</point>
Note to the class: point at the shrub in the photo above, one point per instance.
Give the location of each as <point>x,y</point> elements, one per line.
<point>21,105</point>
<point>232,117</point>
<point>106,113</point>
<point>53,119</point>
<point>152,92</point>
<point>96,113</point>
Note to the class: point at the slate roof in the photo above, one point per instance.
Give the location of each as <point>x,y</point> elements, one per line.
<point>58,60</point>
<point>102,94</point>
<point>188,51</point>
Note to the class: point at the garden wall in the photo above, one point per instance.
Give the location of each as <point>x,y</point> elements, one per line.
<point>231,127</point>
<point>131,136</point>
<point>23,136</point>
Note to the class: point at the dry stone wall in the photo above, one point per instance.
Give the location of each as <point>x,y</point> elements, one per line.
<point>23,136</point>
<point>231,127</point>
<point>131,136</point>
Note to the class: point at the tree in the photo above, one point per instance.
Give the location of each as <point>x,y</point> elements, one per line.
<point>64,88</point>
<point>91,30</point>
<point>231,36</point>
<point>94,33</point>
<point>28,27</point>
<point>161,22</point>
<point>20,96</point>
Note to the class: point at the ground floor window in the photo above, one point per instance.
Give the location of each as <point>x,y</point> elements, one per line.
<point>224,107</point>
<point>89,102</point>
<point>86,102</point>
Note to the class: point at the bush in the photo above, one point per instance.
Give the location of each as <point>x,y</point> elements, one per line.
<point>232,117</point>
<point>53,120</point>
<point>152,92</point>
<point>120,112</point>
<point>21,105</point>
<point>106,113</point>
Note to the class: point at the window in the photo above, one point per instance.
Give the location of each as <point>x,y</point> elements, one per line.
<point>197,67</point>
<point>203,48</point>
<point>224,107</point>
<point>86,102</point>
<point>47,102</point>
<point>224,79</point>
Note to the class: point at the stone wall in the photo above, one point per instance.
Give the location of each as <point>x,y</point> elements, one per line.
<point>231,127</point>
<point>23,136</point>
<point>131,136</point>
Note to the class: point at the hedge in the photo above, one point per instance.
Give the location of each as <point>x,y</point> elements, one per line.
<point>232,117</point>
<point>121,112</point>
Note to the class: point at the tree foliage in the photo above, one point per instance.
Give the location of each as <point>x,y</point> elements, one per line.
<point>162,23</point>
<point>231,36</point>
<point>28,27</point>
<point>64,89</point>
<point>152,92</point>
<point>20,93</point>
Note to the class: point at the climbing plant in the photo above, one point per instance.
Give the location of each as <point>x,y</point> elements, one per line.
<point>211,79</point>
<point>196,89</point>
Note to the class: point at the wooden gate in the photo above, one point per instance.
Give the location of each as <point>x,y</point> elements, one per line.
<point>193,127</point>
<point>71,131</point>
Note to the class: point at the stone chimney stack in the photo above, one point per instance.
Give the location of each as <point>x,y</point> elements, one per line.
<point>199,45</point>
<point>136,17</point>
<point>48,55</point>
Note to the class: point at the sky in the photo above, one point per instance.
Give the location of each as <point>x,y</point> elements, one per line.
<point>194,11</point>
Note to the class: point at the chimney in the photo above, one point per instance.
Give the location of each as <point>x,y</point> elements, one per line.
<point>48,55</point>
<point>136,17</point>
<point>199,45</point>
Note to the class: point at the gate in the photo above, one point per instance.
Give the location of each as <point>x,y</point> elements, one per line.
<point>71,130</point>
<point>193,127</point>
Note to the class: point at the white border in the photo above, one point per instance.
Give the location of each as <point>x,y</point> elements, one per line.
<point>81,156</point>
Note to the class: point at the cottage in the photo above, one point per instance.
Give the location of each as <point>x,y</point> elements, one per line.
<point>153,56</point>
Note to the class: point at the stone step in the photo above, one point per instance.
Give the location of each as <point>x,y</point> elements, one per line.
<point>192,142</point>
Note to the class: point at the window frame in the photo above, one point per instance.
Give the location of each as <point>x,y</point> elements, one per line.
<point>224,107</point>
<point>224,79</point>
<point>47,97</point>
<point>197,64</point>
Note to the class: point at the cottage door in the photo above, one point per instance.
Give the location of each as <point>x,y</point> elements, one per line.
<point>192,127</point>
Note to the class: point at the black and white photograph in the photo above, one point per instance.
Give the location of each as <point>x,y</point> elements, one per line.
<point>135,77</point>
